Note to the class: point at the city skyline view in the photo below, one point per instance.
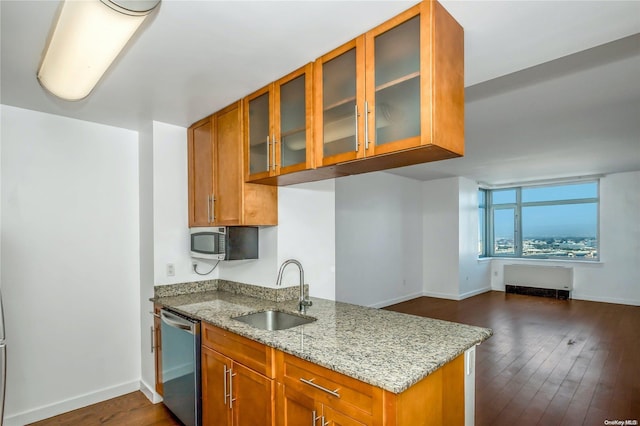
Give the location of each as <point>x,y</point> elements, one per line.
<point>558,221</point>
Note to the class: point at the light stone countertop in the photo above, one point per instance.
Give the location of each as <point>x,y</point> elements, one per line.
<point>386,349</point>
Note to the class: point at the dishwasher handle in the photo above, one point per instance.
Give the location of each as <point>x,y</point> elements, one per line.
<point>176,321</point>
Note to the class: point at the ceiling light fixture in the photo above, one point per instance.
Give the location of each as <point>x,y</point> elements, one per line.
<point>87,38</point>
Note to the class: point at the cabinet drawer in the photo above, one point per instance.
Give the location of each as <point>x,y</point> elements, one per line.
<point>350,396</point>
<point>252,354</point>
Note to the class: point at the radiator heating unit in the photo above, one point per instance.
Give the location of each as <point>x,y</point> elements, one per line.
<point>538,280</point>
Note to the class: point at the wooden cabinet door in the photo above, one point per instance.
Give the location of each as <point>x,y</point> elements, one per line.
<point>339,104</point>
<point>296,408</point>
<point>396,92</point>
<point>215,402</point>
<point>415,82</point>
<point>200,151</point>
<point>227,201</point>
<point>293,118</point>
<point>336,418</point>
<point>253,397</point>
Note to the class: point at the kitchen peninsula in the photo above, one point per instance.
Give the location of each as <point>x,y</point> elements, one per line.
<point>352,365</point>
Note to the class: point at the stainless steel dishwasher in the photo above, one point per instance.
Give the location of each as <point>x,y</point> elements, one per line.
<point>181,366</point>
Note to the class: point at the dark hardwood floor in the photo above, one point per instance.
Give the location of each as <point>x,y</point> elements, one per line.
<point>549,362</point>
<point>133,409</point>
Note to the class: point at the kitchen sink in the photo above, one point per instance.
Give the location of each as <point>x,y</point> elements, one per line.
<point>273,320</point>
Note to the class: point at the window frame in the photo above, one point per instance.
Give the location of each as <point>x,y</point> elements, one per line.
<point>489,210</point>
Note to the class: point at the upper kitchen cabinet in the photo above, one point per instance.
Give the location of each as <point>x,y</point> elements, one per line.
<point>200,155</point>
<point>218,194</point>
<point>278,128</point>
<point>394,96</point>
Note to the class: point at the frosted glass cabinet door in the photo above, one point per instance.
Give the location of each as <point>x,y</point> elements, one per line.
<point>339,104</point>
<point>259,130</point>
<point>293,123</point>
<point>397,83</point>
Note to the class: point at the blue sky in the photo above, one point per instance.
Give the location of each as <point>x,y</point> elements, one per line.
<point>570,220</point>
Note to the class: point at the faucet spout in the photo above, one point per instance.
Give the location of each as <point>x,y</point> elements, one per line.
<point>303,301</point>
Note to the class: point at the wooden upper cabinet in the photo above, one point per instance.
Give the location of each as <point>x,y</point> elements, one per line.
<point>218,195</point>
<point>200,153</point>
<point>398,87</point>
<point>278,127</point>
<point>339,89</point>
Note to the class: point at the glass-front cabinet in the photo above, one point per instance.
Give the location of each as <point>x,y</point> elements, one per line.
<point>395,84</point>
<point>259,132</point>
<point>339,95</point>
<point>278,130</point>
<point>377,93</point>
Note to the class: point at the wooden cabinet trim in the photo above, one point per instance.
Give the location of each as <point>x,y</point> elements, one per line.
<point>157,354</point>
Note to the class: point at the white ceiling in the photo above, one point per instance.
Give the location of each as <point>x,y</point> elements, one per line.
<point>536,108</point>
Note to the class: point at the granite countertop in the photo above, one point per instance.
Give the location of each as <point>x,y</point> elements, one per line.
<point>386,349</point>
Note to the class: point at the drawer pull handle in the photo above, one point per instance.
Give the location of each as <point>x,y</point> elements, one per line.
<point>311,383</point>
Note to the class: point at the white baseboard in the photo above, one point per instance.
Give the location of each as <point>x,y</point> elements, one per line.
<point>70,404</point>
<point>395,300</point>
<point>473,293</point>
<point>441,295</point>
<point>605,299</point>
<point>149,392</point>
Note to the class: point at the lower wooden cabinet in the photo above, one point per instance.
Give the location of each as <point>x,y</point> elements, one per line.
<point>296,408</point>
<point>233,394</point>
<point>245,383</point>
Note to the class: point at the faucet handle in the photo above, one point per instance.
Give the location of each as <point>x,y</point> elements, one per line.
<point>302,306</point>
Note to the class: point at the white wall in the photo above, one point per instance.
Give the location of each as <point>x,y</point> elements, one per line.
<point>378,239</point>
<point>441,238</point>
<point>474,275</point>
<point>145,167</point>
<point>306,232</point>
<point>170,207</point>
<point>70,262</point>
<point>615,278</point>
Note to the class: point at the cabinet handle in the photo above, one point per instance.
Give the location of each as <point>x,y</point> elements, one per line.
<point>357,115</point>
<point>273,151</point>
<point>231,398</point>
<point>224,385</point>
<point>366,125</point>
<point>312,384</point>
<point>152,338</point>
<point>268,163</point>
<point>213,208</point>
<point>314,417</point>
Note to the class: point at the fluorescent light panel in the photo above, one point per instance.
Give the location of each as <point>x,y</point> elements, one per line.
<point>87,38</point>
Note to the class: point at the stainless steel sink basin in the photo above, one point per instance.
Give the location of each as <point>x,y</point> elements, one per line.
<point>273,320</point>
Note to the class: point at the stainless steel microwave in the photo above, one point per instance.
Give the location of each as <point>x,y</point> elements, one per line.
<point>224,242</point>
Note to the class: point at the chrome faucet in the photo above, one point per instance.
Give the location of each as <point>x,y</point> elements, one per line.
<point>303,301</point>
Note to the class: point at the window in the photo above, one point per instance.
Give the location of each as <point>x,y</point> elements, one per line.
<point>482,222</point>
<point>540,222</point>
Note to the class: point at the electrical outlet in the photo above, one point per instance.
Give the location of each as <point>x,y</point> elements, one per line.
<point>171,270</point>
